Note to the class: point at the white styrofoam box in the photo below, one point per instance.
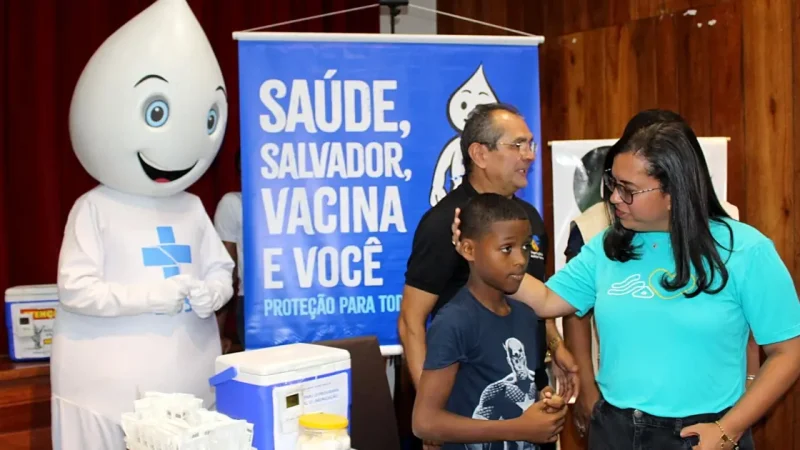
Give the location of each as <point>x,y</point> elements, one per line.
<point>30,313</point>
<point>272,387</point>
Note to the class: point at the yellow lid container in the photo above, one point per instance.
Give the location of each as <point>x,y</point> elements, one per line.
<point>323,421</point>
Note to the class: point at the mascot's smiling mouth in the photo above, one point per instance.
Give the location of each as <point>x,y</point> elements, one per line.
<point>161,175</point>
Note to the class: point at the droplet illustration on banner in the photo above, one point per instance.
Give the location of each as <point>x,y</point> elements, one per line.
<point>475,91</point>
<point>149,110</point>
<point>449,171</point>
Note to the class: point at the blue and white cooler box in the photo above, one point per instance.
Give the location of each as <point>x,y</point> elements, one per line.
<point>272,387</point>
<point>30,313</point>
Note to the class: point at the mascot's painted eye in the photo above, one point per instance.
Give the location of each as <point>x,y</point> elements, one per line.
<point>157,113</point>
<point>211,120</point>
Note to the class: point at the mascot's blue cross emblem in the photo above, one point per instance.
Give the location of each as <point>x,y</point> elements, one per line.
<point>167,255</point>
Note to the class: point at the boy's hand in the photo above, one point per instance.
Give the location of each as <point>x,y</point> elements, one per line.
<point>554,402</point>
<point>540,426</point>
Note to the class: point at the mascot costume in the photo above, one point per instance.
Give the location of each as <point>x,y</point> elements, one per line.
<point>141,269</point>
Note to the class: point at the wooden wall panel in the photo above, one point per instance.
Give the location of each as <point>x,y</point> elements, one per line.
<point>666,49</point>
<point>767,56</point>
<point>693,80</point>
<point>727,96</point>
<point>617,78</point>
<point>594,95</point>
<point>769,160</point>
<point>726,65</point>
<point>638,9</point>
<point>796,129</point>
<point>577,13</point>
<point>575,78</point>
<point>680,5</point>
<point>515,14</point>
<point>561,17</point>
<point>645,62</point>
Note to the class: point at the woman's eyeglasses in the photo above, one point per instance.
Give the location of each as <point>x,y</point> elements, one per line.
<point>625,194</point>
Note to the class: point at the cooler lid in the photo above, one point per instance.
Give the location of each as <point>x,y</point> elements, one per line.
<point>33,292</point>
<point>282,359</point>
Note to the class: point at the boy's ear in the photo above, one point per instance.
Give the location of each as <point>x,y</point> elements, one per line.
<point>468,249</point>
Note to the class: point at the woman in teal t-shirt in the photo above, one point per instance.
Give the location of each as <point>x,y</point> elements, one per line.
<point>676,287</point>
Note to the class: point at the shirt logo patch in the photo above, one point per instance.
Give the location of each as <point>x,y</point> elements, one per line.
<point>536,252</point>
<point>636,287</point>
<point>633,285</point>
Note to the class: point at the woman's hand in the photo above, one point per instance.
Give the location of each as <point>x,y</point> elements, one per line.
<point>565,370</point>
<point>710,436</point>
<point>582,412</point>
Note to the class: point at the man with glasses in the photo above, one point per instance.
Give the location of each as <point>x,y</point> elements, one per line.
<point>497,149</point>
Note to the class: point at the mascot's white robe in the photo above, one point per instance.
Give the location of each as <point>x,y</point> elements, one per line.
<point>108,346</point>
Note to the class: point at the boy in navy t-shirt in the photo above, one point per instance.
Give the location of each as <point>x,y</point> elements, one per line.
<point>477,389</point>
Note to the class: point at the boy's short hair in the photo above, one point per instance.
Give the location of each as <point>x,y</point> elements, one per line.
<point>483,210</point>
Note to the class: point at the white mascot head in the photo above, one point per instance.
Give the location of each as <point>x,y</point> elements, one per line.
<point>149,112</point>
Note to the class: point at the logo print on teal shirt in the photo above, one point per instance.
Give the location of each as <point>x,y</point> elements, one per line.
<point>633,285</point>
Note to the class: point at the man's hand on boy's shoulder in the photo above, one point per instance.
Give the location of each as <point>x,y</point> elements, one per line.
<point>538,424</point>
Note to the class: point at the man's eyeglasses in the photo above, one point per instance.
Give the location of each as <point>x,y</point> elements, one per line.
<point>521,146</point>
<point>625,194</point>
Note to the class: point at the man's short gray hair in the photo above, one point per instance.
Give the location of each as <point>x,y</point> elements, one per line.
<point>480,128</point>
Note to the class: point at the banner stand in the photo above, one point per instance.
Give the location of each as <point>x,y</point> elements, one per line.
<point>275,66</point>
<point>265,137</point>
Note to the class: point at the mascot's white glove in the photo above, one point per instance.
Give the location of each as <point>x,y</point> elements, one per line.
<point>205,298</point>
<point>168,296</point>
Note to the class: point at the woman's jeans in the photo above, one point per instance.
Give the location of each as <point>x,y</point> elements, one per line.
<point>613,428</point>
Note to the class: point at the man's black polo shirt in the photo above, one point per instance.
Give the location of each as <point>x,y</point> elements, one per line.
<point>434,265</point>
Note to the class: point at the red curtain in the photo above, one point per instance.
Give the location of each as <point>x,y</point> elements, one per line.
<point>44,45</point>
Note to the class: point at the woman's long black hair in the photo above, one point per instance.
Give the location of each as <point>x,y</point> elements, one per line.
<point>676,160</point>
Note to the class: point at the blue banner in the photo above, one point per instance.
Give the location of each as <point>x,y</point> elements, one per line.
<point>345,145</point>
